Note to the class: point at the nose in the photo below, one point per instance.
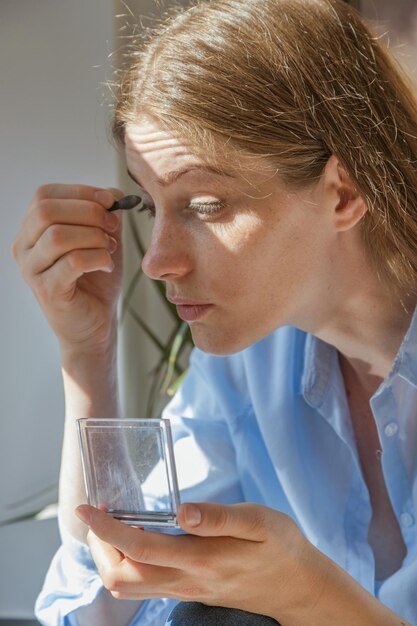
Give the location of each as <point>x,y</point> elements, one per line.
<point>169,253</point>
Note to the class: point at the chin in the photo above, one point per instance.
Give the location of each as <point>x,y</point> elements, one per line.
<point>217,343</point>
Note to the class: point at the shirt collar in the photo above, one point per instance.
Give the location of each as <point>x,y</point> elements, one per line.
<point>405,362</point>
<point>321,361</point>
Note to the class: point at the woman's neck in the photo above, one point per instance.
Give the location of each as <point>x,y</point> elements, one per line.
<point>366,323</point>
<point>368,339</point>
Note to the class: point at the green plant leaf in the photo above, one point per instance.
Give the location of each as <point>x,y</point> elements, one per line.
<point>172,390</point>
<point>25,517</point>
<point>147,330</point>
<point>173,356</point>
<point>129,293</point>
<point>160,286</point>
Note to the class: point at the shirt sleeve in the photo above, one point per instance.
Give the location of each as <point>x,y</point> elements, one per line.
<point>205,461</point>
<point>72,581</point>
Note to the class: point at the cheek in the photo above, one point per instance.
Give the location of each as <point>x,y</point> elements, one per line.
<point>241,234</point>
<point>231,251</point>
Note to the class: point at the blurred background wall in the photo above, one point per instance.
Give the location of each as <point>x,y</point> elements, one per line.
<point>52,63</point>
<point>397,23</point>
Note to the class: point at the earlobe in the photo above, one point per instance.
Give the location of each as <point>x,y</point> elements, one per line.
<point>348,205</point>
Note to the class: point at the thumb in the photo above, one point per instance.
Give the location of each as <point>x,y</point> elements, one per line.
<point>243,521</point>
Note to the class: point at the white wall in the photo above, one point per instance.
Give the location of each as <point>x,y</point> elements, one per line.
<point>53,57</point>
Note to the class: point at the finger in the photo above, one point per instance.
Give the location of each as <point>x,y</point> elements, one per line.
<point>150,547</point>
<point>242,521</point>
<point>60,279</point>
<point>106,556</point>
<point>75,192</point>
<point>59,239</point>
<point>59,212</point>
<point>140,595</point>
<point>117,193</point>
<point>121,574</point>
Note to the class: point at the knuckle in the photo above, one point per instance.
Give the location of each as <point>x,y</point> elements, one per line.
<point>111,581</point>
<point>221,519</point>
<point>43,212</point>
<point>42,192</point>
<point>55,235</point>
<point>202,564</point>
<point>190,591</point>
<point>258,524</point>
<point>142,554</point>
<point>75,260</point>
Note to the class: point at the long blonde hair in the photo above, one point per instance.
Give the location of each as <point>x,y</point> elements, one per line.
<point>294,81</point>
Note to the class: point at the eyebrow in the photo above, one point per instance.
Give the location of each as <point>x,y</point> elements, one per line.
<point>173,176</point>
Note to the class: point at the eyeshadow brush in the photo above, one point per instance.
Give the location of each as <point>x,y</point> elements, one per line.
<point>126,203</point>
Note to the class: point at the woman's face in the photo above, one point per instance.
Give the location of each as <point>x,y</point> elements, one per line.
<point>239,254</point>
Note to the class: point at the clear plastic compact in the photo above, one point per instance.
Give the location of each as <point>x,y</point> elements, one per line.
<point>129,469</point>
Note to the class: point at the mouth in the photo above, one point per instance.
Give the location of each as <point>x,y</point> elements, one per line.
<point>190,310</point>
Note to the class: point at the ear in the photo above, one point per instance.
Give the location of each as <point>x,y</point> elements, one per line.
<point>347,203</point>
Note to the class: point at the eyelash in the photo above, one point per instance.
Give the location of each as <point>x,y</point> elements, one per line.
<point>204,208</point>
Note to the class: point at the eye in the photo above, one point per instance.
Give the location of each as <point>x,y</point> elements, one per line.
<point>146,205</point>
<point>203,208</point>
<point>147,208</point>
<point>207,208</point>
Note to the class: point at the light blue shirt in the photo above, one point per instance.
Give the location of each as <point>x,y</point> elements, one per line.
<point>271,425</point>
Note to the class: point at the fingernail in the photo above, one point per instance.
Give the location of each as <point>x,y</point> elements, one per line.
<point>112,244</point>
<point>192,515</point>
<point>84,514</point>
<point>111,221</point>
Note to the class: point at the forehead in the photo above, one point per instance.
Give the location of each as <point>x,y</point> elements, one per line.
<point>150,145</point>
<point>148,142</point>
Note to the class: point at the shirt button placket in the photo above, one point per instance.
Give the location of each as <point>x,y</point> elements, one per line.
<point>406,520</point>
<point>391,429</point>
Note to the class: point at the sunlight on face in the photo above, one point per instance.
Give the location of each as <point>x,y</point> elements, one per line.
<point>239,253</point>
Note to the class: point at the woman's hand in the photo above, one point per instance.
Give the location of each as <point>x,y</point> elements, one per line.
<point>69,252</point>
<point>242,556</point>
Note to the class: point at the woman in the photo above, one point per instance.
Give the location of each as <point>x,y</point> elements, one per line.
<point>276,145</point>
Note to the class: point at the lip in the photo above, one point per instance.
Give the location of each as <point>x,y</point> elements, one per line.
<point>188,309</point>
<point>192,312</point>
